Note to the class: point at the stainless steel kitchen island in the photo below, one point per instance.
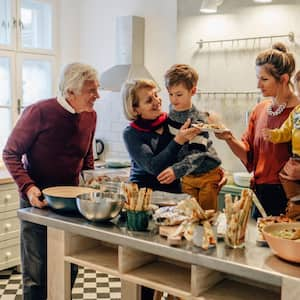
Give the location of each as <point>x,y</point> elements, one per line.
<point>145,258</point>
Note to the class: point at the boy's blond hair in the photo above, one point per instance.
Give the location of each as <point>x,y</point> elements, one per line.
<point>129,95</point>
<point>181,74</point>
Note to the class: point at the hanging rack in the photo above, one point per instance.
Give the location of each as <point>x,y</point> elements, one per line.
<point>235,93</point>
<point>199,92</point>
<point>290,36</point>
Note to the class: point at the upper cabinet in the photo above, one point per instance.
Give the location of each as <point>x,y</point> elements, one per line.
<point>27,25</point>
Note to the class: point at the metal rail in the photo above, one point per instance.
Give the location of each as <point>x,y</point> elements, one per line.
<point>290,36</point>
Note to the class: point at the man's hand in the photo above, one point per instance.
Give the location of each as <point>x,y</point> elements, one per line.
<point>167,176</point>
<point>33,195</point>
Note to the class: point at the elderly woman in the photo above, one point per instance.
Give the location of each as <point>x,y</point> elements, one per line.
<point>149,143</point>
<point>274,69</point>
<point>54,137</point>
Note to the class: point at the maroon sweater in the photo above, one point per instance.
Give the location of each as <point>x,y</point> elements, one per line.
<point>54,143</point>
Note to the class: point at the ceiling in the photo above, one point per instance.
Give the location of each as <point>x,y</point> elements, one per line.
<point>191,7</point>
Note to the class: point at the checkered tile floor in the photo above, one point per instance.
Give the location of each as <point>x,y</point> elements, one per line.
<point>88,285</point>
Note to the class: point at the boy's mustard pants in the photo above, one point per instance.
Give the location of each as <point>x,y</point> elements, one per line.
<point>204,187</point>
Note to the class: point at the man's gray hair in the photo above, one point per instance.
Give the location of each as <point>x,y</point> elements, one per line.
<point>73,77</point>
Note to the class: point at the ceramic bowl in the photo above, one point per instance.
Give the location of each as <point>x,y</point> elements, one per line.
<point>63,198</point>
<point>242,178</point>
<point>284,248</point>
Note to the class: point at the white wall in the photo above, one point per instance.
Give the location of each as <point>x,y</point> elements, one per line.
<point>227,66</point>
<point>69,31</point>
<point>97,47</point>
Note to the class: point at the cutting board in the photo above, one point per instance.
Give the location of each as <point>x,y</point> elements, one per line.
<point>168,231</point>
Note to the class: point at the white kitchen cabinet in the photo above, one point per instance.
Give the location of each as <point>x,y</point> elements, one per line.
<point>9,226</point>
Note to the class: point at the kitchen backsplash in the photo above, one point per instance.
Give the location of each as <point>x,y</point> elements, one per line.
<point>110,125</point>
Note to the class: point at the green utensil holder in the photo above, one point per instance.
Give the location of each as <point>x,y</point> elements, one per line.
<point>137,220</point>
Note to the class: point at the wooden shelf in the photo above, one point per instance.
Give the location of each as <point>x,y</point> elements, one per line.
<point>102,259</point>
<point>233,290</point>
<point>162,276</point>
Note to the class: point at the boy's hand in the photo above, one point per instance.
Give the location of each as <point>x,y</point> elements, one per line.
<point>167,176</point>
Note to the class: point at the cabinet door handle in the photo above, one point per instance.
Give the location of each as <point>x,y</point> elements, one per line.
<point>21,25</point>
<point>7,226</point>
<point>7,197</point>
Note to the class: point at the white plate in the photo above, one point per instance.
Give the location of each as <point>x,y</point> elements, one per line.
<point>211,129</point>
<point>117,163</point>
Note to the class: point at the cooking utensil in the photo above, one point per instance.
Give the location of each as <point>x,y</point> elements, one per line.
<point>259,206</point>
<point>63,198</point>
<point>100,205</point>
<point>282,247</point>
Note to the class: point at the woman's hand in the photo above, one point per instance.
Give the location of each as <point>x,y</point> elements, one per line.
<point>167,176</point>
<point>33,195</point>
<point>291,170</point>
<point>224,135</point>
<point>185,133</point>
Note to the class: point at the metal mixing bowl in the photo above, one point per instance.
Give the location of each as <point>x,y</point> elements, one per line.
<point>100,206</point>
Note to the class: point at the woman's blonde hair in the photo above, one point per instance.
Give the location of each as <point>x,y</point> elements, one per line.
<point>73,77</point>
<point>129,95</point>
<point>277,61</point>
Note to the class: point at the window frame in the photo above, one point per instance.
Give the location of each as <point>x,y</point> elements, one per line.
<point>18,54</point>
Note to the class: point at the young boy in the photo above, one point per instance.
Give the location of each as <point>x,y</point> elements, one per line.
<point>289,131</point>
<point>198,162</point>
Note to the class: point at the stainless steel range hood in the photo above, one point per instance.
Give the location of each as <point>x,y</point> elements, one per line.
<point>130,36</point>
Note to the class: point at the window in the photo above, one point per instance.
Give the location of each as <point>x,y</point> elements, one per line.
<point>27,57</point>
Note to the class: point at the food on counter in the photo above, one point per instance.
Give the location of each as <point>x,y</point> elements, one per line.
<point>137,199</point>
<point>208,235</point>
<point>188,214</point>
<point>237,213</point>
<point>95,182</point>
<point>262,222</point>
<point>169,215</point>
<point>94,178</point>
<point>288,233</point>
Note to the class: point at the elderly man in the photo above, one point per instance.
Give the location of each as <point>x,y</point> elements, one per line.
<point>49,146</point>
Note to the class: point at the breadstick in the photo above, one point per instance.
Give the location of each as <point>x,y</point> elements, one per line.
<point>140,200</point>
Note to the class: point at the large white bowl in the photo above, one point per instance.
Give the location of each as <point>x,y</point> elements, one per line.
<point>242,178</point>
<point>284,248</point>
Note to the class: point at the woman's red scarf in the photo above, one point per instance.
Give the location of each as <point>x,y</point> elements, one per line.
<point>149,125</point>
